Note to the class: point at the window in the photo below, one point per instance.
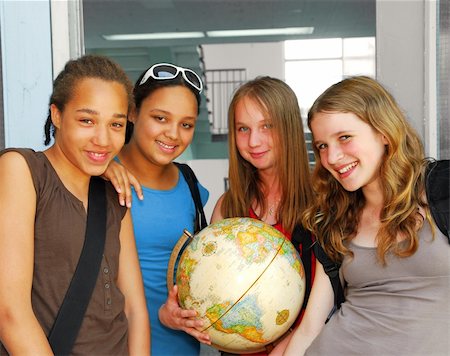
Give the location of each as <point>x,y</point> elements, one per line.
<point>311,66</point>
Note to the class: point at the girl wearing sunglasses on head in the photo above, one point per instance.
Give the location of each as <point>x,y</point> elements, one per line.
<point>167,99</point>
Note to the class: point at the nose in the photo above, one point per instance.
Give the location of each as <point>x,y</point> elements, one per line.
<point>254,138</point>
<point>334,154</point>
<point>101,135</point>
<point>172,131</point>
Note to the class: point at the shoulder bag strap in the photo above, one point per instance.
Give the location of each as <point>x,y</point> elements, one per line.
<point>331,268</point>
<point>302,241</point>
<point>70,316</point>
<point>191,179</point>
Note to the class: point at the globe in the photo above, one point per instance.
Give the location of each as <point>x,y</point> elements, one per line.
<point>245,280</point>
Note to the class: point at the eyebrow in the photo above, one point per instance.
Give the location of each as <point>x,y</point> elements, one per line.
<point>156,110</point>
<point>93,112</point>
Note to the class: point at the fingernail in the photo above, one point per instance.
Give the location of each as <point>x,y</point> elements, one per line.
<point>122,202</point>
<point>128,204</point>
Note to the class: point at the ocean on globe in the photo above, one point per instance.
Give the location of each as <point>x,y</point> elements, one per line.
<point>245,280</point>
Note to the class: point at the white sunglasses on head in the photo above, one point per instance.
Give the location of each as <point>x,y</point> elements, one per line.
<point>164,71</point>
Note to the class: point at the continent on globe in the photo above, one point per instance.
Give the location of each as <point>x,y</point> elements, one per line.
<point>245,280</point>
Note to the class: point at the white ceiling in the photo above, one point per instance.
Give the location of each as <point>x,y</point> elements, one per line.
<point>330,18</point>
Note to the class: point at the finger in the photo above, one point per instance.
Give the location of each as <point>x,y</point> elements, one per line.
<point>189,314</point>
<point>136,185</point>
<point>200,336</point>
<point>118,184</point>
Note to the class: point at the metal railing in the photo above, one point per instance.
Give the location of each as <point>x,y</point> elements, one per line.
<point>221,84</point>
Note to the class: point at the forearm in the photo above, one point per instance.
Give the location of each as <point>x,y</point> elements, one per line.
<point>21,333</point>
<point>138,333</point>
<point>298,343</point>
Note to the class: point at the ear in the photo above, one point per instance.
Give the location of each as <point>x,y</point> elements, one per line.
<point>133,115</point>
<point>384,140</point>
<point>55,116</point>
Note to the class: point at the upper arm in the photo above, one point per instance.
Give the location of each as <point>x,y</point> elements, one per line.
<point>17,214</point>
<point>217,212</point>
<point>129,278</point>
<point>130,283</point>
<point>320,303</point>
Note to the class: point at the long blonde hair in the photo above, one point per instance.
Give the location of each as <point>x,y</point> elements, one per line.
<point>277,100</point>
<point>334,216</point>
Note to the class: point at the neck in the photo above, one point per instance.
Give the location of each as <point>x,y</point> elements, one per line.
<point>75,181</point>
<point>148,174</point>
<point>374,199</point>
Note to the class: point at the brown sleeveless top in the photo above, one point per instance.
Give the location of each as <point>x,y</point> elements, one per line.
<point>59,233</point>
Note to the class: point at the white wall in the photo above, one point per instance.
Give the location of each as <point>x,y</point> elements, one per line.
<point>27,70</point>
<point>257,58</point>
<point>406,63</point>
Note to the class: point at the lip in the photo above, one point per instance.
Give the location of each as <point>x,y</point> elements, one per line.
<point>166,147</point>
<point>257,155</point>
<point>346,169</point>
<point>98,157</point>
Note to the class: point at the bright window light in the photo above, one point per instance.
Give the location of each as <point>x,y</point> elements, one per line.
<point>310,49</point>
<point>153,36</point>
<point>262,32</point>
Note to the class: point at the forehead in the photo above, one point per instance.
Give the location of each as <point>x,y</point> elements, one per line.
<point>250,109</point>
<point>99,94</point>
<point>91,88</point>
<point>176,98</point>
<point>336,121</point>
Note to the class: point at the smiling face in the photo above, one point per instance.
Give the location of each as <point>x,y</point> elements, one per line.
<point>91,128</point>
<point>350,149</point>
<point>164,125</point>
<point>254,134</point>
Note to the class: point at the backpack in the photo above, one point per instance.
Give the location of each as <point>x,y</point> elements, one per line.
<point>191,180</point>
<point>437,182</point>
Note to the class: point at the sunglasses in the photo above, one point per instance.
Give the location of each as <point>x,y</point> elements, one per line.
<point>163,71</point>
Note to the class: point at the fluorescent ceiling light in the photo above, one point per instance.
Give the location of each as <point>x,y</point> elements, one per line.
<point>153,36</point>
<point>262,32</point>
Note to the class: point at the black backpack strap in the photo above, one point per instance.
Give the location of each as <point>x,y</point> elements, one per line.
<point>331,268</point>
<point>303,241</point>
<point>191,179</point>
<point>437,184</point>
<point>71,313</point>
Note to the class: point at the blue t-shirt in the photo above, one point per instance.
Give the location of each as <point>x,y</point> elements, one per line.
<point>159,221</point>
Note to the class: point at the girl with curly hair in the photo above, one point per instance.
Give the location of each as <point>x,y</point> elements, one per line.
<point>371,216</point>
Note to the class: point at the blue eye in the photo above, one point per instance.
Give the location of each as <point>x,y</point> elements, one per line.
<point>242,129</point>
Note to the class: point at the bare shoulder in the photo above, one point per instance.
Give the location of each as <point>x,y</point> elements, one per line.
<point>15,176</point>
<point>12,163</point>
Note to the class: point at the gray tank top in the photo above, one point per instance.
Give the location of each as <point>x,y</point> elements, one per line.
<point>402,308</point>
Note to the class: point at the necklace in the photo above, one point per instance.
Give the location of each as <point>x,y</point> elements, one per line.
<point>273,207</point>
